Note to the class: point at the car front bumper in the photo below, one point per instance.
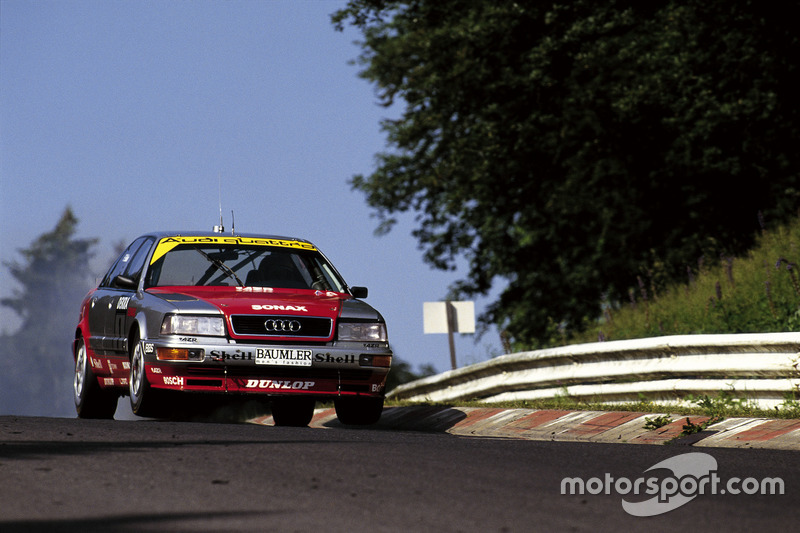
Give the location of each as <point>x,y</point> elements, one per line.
<point>332,370</point>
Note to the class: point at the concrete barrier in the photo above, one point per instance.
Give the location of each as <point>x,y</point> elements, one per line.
<point>763,368</point>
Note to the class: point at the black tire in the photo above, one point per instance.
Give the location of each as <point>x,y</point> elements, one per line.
<point>358,411</point>
<point>293,411</point>
<point>91,401</point>
<point>145,401</point>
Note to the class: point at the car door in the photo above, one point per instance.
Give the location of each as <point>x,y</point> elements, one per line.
<point>101,305</point>
<point>107,300</point>
<point>119,312</point>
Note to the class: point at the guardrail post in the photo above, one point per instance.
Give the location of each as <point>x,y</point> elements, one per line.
<point>451,327</point>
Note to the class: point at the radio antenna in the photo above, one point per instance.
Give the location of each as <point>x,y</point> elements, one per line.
<point>219,192</point>
<point>220,228</point>
<point>233,224</point>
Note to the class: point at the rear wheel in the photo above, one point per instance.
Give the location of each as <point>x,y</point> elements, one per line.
<point>293,411</point>
<point>358,411</point>
<point>91,401</point>
<point>144,400</point>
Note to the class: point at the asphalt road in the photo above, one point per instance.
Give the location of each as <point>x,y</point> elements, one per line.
<point>144,475</point>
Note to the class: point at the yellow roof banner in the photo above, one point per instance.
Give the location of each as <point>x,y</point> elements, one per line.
<point>168,243</point>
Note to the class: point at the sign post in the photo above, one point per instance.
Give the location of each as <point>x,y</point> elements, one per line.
<point>449,317</point>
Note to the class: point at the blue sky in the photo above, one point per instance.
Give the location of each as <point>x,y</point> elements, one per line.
<point>132,112</point>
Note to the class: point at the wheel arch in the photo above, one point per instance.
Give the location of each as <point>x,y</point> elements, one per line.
<point>136,333</point>
<point>78,337</point>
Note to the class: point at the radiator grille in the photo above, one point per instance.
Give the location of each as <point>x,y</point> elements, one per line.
<point>309,326</point>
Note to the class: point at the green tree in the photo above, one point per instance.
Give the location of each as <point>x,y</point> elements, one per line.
<point>567,148</point>
<point>52,280</point>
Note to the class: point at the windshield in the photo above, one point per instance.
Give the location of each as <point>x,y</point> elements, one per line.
<point>240,265</point>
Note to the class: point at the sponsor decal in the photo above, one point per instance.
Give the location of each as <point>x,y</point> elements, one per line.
<point>156,370</point>
<point>108,381</point>
<point>325,293</point>
<point>279,385</point>
<point>122,303</point>
<point>149,348</point>
<point>253,289</point>
<point>328,358</point>
<point>187,339</point>
<point>97,363</point>
<point>173,380</point>
<point>377,387</point>
<point>280,308</point>
<point>168,243</point>
<point>236,355</point>
<point>111,367</point>
<point>126,365</point>
<point>280,356</point>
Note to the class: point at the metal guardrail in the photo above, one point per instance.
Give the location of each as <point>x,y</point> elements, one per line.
<point>763,368</point>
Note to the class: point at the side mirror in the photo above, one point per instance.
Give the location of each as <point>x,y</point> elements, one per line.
<point>359,292</point>
<point>125,283</point>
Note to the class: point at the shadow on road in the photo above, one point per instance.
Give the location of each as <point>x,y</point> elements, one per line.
<point>415,418</point>
<point>128,523</point>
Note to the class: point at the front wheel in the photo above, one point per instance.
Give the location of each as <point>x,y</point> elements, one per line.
<point>358,411</point>
<point>91,401</point>
<point>144,400</point>
<point>293,411</point>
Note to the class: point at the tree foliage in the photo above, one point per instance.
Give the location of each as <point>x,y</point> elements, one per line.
<point>52,280</point>
<point>565,148</point>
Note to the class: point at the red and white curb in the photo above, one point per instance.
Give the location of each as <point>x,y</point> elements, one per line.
<point>586,426</point>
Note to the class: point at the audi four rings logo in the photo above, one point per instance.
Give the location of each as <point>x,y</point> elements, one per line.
<point>282,325</point>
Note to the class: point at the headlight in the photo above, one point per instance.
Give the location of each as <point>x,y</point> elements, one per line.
<point>193,325</point>
<point>362,331</point>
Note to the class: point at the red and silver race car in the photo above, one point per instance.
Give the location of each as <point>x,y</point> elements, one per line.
<point>193,315</point>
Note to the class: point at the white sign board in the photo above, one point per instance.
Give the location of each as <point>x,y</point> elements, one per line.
<point>435,317</point>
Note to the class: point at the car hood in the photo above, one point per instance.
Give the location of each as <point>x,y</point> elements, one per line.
<point>255,300</point>
<point>247,301</point>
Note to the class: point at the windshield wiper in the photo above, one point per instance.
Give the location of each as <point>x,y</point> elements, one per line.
<point>220,265</point>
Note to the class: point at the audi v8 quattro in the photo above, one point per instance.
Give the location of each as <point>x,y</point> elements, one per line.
<point>185,316</point>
